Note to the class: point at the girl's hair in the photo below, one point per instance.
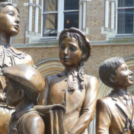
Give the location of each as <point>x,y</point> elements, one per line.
<point>79,36</point>
<point>84,45</point>
<point>4,4</point>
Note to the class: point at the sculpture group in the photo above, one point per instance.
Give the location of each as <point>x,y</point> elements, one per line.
<point>64,103</point>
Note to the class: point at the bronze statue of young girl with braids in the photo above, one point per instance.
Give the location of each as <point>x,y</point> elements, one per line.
<point>72,88</point>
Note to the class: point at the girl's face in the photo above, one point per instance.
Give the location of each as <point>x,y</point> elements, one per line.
<point>9,20</point>
<point>70,53</point>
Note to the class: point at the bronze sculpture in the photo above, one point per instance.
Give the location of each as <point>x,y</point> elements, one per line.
<point>72,88</point>
<point>23,86</point>
<point>115,112</point>
<point>9,56</point>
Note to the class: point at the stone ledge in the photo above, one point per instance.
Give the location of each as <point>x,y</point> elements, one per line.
<point>54,42</point>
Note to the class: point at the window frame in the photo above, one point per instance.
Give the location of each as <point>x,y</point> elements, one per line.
<point>60,13</point>
<point>117,8</point>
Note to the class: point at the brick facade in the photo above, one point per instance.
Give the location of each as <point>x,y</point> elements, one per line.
<point>99,54</point>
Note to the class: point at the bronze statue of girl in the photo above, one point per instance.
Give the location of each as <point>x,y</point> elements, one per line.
<point>72,88</point>
<point>9,56</point>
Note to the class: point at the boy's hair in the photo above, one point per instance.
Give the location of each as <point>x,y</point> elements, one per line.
<point>30,97</point>
<point>108,68</point>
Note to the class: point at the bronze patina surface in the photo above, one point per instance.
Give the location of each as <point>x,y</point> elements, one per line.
<point>23,86</point>
<point>9,56</point>
<point>72,88</point>
<point>115,112</point>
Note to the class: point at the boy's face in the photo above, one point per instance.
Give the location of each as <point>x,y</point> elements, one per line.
<point>124,77</point>
<point>12,96</point>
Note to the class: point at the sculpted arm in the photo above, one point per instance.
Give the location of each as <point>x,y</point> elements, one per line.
<point>30,60</point>
<point>33,124</point>
<point>88,106</point>
<point>103,120</point>
<point>44,93</point>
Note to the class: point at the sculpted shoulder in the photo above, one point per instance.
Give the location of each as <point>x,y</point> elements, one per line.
<point>33,123</point>
<point>91,81</point>
<point>56,78</point>
<point>29,59</point>
<point>106,101</point>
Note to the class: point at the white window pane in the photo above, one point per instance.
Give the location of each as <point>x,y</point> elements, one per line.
<point>125,3</point>
<point>71,4</point>
<point>71,19</point>
<point>125,21</point>
<point>50,5</point>
<point>50,25</point>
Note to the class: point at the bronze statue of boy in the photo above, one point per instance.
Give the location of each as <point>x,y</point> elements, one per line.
<point>23,86</point>
<point>115,112</point>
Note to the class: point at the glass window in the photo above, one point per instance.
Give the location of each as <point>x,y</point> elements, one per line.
<point>71,20</point>
<point>125,3</point>
<point>59,14</point>
<point>125,21</point>
<point>71,4</point>
<point>50,5</point>
<point>50,18</point>
<point>50,25</point>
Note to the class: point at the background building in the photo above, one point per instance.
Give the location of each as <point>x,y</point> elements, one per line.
<point>109,24</point>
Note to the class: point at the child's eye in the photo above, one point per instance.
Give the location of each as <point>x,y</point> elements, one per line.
<point>11,13</point>
<point>73,48</point>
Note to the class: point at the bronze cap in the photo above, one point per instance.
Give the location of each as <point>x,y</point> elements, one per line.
<point>25,75</point>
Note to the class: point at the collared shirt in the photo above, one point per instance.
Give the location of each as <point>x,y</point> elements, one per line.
<point>125,97</point>
<point>15,119</point>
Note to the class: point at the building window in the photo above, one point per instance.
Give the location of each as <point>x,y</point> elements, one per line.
<point>58,15</point>
<point>125,20</point>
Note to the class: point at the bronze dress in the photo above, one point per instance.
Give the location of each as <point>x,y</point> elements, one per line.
<point>9,56</point>
<point>79,103</point>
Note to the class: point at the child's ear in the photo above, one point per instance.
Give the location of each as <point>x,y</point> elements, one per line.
<point>112,79</point>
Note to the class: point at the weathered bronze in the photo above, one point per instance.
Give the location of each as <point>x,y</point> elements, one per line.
<point>72,88</point>
<point>9,56</point>
<point>23,86</point>
<point>115,112</point>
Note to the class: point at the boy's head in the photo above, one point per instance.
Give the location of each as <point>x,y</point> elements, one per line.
<point>115,73</point>
<point>23,82</point>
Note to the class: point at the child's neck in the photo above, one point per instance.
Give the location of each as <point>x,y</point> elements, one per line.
<point>121,89</point>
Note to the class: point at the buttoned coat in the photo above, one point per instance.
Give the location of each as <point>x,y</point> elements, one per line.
<point>112,115</point>
<point>80,104</point>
